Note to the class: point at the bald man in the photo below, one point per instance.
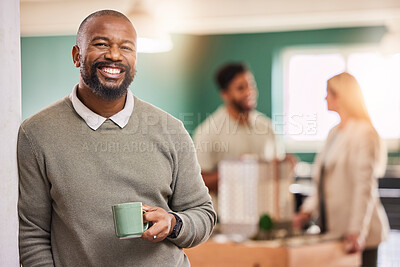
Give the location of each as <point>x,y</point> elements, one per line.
<point>102,146</point>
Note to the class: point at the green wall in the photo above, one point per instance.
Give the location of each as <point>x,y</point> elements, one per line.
<point>48,74</point>
<point>179,81</point>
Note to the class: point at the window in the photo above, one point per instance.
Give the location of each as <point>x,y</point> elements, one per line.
<point>300,112</point>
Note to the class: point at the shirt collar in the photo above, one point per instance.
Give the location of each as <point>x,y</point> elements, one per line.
<point>252,117</point>
<point>94,120</point>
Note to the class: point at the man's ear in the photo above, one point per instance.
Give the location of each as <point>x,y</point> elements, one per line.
<point>224,95</point>
<point>76,56</point>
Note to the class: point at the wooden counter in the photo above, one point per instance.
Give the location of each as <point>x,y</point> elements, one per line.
<point>268,254</point>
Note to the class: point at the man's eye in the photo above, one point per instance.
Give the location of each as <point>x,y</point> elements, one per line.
<point>100,45</point>
<point>127,48</point>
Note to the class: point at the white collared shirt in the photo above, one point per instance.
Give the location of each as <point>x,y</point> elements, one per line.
<point>221,137</point>
<point>94,120</point>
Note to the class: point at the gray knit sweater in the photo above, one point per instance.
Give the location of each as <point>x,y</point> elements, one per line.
<point>71,175</point>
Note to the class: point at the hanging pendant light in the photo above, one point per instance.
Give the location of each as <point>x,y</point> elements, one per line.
<point>152,35</point>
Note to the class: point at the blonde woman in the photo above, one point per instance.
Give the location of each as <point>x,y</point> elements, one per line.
<point>347,168</point>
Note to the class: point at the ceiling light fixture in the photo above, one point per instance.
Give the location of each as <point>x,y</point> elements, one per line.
<point>152,36</point>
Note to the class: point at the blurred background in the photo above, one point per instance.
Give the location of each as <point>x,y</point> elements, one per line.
<point>291,46</point>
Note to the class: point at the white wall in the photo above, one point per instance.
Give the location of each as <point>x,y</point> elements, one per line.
<point>10,114</point>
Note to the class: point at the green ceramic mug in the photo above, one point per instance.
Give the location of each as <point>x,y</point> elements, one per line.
<point>128,220</point>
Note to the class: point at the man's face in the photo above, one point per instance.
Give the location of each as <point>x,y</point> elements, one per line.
<point>242,92</point>
<point>108,56</point>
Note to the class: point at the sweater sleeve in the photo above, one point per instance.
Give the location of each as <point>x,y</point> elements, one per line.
<point>365,183</point>
<point>190,199</point>
<point>34,206</point>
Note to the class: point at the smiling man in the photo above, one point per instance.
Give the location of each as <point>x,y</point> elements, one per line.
<point>235,128</point>
<point>102,146</point>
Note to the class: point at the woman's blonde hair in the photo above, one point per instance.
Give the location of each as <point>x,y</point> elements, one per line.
<point>351,101</point>
<point>349,94</point>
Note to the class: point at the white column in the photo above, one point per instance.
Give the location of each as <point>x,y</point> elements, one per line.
<point>10,116</point>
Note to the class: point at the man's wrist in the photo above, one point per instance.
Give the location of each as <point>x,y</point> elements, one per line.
<point>176,229</point>
<point>173,223</point>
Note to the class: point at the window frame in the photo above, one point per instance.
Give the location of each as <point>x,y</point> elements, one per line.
<point>280,72</point>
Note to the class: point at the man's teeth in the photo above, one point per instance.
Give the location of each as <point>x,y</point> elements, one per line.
<point>112,70</point>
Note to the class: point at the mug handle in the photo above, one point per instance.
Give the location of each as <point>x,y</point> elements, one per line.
<point>145,224</point>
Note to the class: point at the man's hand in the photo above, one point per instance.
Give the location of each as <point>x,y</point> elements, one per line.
<point>353,243</point>
<point>162,223</point>
<point>300,219</point>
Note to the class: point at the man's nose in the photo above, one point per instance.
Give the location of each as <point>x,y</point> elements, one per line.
<point>113,53</point>
<point>250,90</point>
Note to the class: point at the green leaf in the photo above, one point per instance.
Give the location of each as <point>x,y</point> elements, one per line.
<point>266,222</point>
